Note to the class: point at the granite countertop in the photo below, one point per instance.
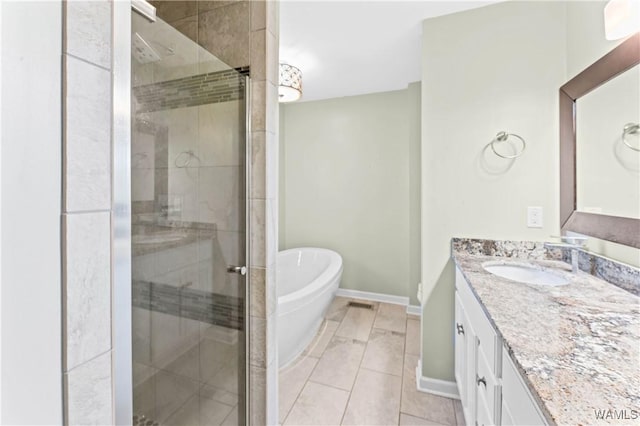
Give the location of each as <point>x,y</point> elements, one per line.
<point>576,345</point>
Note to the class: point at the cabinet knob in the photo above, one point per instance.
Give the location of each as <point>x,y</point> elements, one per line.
<point>460,328</point>
<point>481,380</point>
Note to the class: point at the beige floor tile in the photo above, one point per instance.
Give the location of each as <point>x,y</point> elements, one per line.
<point>356,324</point>
<point>188,414</point>
<point>412,344</point>
<point>213,412</point>
<point>219,395</point>
<point>172,391</point>
<point>391,317</point>
<point>318,405</point>
<point>384,352</point>
<point>214,355</point>
<point>199,411</point>
<point>319,344</point>
<point>144,399</point>
<point>291,380</point>
<point>227,377</point>
<point>375,399</point>
<point>187,364</point>
<point>421,404</point>
<point>457,407</point>
<point>339,364</point>
<point>232,418</point>
<point>407,420</point>
<point>338,308</point>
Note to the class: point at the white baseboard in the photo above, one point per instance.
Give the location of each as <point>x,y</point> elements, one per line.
<point>414,310</point>
<point>435,386</point>
<point>374,297</point>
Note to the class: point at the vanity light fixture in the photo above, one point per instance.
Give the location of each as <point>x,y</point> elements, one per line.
<point>621,18</point>
<point>290,85</point>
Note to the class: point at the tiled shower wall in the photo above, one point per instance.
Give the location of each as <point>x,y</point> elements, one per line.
<point>86,217</point>
<point>241,33</point>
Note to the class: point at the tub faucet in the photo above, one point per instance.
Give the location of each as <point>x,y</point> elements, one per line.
<point>570,243</point>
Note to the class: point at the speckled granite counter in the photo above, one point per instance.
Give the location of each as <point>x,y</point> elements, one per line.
<point>577,345</point>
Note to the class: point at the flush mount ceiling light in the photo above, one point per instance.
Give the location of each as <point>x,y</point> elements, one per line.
<point>290,87</point>
<point>621,18</point>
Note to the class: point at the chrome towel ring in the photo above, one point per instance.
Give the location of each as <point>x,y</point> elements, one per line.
<point>630,129</point>
<point>184,159</point>
<point>503,137</point>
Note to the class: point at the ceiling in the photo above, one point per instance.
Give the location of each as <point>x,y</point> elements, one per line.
<point>347,48</point>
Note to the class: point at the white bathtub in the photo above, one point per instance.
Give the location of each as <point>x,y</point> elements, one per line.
<point>308,279</point>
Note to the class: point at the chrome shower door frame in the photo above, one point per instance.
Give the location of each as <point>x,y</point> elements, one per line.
<point>121,321</point>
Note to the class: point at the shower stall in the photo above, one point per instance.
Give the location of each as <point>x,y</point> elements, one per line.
<point>189,126</point>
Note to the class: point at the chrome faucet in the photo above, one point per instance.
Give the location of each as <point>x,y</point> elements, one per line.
<point>570,243</point>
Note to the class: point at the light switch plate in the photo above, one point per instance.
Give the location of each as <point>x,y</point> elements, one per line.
<point>534,217</point>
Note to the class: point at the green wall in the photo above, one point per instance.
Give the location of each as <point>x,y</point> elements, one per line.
<point>485,70</point>
<point>350,181</point>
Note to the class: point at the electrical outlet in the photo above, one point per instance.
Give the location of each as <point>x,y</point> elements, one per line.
<point>534,217</point>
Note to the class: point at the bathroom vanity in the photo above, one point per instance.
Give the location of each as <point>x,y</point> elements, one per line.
<point>531,354</point>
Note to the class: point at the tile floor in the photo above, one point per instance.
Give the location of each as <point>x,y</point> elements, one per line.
<point>360,370</point>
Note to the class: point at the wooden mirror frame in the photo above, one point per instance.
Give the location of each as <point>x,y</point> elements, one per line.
<point>617,229</point>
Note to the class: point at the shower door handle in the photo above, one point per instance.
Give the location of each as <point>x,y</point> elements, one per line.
<point>242,270</point>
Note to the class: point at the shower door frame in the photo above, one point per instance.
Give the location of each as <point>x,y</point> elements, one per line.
<point>121,309</point>
<point>121,317</point>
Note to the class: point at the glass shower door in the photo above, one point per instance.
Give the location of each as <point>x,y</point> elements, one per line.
<point>188,231</point>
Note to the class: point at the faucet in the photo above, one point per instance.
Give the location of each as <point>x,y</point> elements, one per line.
<point>571,243</point>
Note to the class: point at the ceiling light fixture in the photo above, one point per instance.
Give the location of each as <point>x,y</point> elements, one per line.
<point>621,18</point>
<point>290,86</point>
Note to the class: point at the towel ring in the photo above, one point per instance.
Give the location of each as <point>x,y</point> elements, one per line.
<point>503,137</point>
<point>185,157</point>
<point>630,129</point>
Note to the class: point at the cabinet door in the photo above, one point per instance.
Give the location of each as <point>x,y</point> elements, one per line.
<point>465,361</point>
<point>460,341</point>
<point>518,406</point>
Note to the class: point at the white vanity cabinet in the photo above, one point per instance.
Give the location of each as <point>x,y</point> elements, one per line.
<point>518,406</point>
<point>491,390</point>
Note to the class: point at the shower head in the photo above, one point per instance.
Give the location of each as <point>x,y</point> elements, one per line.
<point>142,51</point>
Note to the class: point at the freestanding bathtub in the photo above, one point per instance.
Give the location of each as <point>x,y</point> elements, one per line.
<point>308,279</point>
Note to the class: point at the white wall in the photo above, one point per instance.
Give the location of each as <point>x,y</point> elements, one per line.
<point>31,373</point>
<point>351,184</point>
<point>486,70</point>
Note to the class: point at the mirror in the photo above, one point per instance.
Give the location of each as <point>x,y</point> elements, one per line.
<point>599,173</point>
<point>607,168</point>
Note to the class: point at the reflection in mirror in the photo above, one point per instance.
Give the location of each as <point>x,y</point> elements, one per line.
<point>608,170</point>
<point>603,225</point>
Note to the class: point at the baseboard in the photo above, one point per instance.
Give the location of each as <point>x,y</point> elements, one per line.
<point>414,310</point>
<point>374,297</point>
<point>435,386</point>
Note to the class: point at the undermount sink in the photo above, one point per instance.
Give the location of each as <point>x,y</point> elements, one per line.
<point>524,273</point>
<point>157,238</point>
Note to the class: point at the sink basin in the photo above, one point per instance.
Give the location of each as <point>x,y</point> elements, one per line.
<point>156,238</point>
<point>524,273</point>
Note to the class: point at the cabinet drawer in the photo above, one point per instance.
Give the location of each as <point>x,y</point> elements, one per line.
<point>489,342</point>
<point>487,389</point>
